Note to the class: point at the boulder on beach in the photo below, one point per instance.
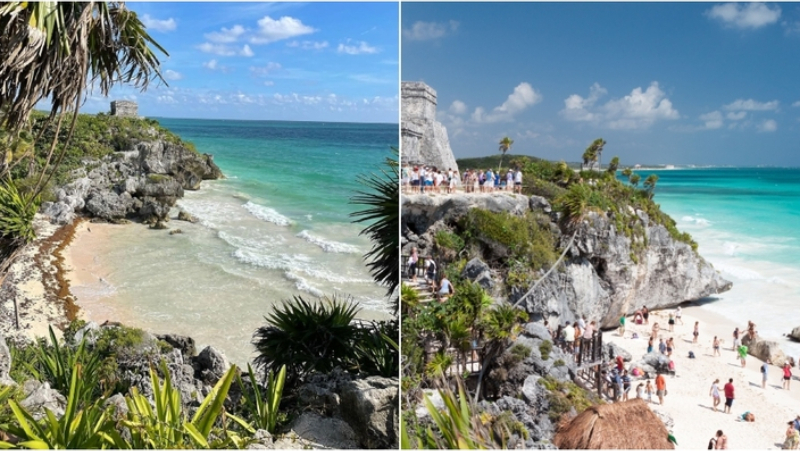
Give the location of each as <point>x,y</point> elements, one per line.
<point>767,350</point>
<point>795,334</point>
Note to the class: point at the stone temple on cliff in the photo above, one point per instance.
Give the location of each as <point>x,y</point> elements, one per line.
<point>124,108</point>
<point>424,140</point>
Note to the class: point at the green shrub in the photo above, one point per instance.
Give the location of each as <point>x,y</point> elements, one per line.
<point>545,349</point>
<point>520,352</point>
<point>524,238</point>
<point>17,211</point>
<point>449,240</point>
<point>563,396</point>
<point>559,363</point>
<point>263,408</point>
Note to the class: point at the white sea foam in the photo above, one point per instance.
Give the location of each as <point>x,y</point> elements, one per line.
<point>293,263</point>
<point>303,285</point>
<point>695,220</point>
<point>267,214</point>
<point>328,245</point>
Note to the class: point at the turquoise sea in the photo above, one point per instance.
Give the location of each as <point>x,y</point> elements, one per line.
<point>747,224</point>
<point>278,226</point>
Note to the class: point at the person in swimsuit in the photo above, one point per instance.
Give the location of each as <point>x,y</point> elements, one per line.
<point>714,393</point>
<point>735,339</point>
<point>654,334</point>
<point>678,315</point>
<point>671,322</point>
<point>722,441</point>
<point>716,346</point>
<point>645,314</point>
<point>787,375</point>
<point>650,345</point>
<point>670,346</point>
<point>696,332</point>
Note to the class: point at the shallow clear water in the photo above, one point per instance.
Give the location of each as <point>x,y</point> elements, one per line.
<point>747,224</point>
<point>278,226</point>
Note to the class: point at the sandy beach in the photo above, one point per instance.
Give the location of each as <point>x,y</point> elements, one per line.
<point>688,402</point>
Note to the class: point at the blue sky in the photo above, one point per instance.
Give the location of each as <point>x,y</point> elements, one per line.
<point>662,83</point>
<point>271,61</point>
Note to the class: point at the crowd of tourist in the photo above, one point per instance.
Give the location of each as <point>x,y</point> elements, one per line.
<point>430,179</point>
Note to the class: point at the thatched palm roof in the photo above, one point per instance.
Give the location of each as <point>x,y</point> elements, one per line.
<point>623,425</point>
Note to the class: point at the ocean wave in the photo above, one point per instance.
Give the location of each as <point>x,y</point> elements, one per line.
<point>293,263</point>
<point>698,221</point>
<point>303,285</point>
<point>267,214</point>
<point>252,243</point>
<point>328,245</point>
<point>747,274</point>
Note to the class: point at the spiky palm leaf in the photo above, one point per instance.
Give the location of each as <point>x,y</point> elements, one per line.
<point>16,214</point>
<point>53,50</point>
<point>382,213</point>
<point>307,337</point>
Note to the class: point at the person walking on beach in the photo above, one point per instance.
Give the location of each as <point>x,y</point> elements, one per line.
<point>626,385</point>
<point>639,390</point>
<point>787,375</point>
<point>671,322</point>
<point>715,345</point>
<point>764,371</point>
<point>645,314</point>
<point>661,388</point>
<point>662,347</point>
<point>670,346</point>
<point>655,331</point>
<point>714,393</point>
<point>648,389</point>
<point>735,339</point>
<point>743,355</point>
<point>722,441</point>
<point>728,389</point>
<point>678,314</point>
<point>622,326</point>
<point>650,345</point>
<point>696,332</point>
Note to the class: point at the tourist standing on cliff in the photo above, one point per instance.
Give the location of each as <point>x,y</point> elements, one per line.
<point>415,180</point>
<point>445,289</point>
<point>518,181</point>
<point>661,388</point>
<point>406,179</point>
<point>728,389</point>
<point>714,393</point>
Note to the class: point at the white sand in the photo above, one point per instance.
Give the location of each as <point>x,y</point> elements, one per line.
<point>689,403</point>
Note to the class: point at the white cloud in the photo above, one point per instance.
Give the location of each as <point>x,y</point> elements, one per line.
<point>370,78</point>
<point>751,105</point>
<point>768,125</point>
<point>361,47</point>
<point>226,35</point>
<point>225,50</point>
<point>458,107</point>
<point>523,96</point>
<point>424,31</point>
<point>736,116</point>
<point>166,99</point>
<point>745,15</point>
<point>159,25</point>
<point>211,64</point>
<point>170,74</point>
<point>269,83</point>
<point>308,45</point>
<point>796,103</point>
<point>263,71</point>
<point>271,30</point>
<point>576,107</point>
<point>713,120</point>
<point>637,110</point>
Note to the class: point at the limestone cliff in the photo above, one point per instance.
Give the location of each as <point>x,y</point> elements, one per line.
<point>602,275</point>
<point>425,140</point>
<point>141,182</point>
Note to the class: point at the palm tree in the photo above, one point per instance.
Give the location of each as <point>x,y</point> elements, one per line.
<point>650,184</point>
<point>597,145</point>
<point>613,165</point>
<point>627,172</point>
<point>505,145</point>
<point>382,213</point>
<point>589,156</point>
<point>500,325</point>
<point>54,50</point>
<point>635,180</point>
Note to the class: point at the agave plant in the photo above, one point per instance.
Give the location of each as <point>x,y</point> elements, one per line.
<point>90,427</point>
<point>263,407</point>
<point>16,213</point>
<point>307,337</point>
<point>377,349</point>
<point>164,425</point>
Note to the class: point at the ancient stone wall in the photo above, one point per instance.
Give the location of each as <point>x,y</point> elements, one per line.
<point>424,140</point>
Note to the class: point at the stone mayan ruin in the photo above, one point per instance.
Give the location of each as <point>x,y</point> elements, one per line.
<point>424,140</point>
<point>124,108</point>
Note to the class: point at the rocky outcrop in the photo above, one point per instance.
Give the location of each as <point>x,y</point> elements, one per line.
<point>425,140</point>
<point>598,278</point>
<point>142,183</point>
